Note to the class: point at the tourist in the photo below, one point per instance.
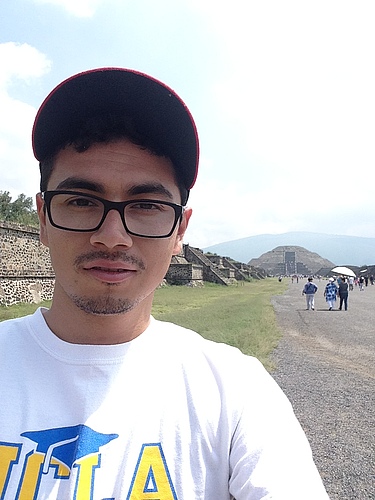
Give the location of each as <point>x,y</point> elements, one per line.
<point>309,290</point>
<point>330,293</point>
<point>361,282</point>
<point>351,283</point>
<point>99,399</point>
<point>343,293</point>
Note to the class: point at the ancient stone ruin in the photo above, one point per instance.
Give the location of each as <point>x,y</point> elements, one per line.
<point>193,267</point>
<point>26,273</point>
<point>290,260</point>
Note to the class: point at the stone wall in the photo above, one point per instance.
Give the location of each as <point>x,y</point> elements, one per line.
<point>29,290</point>
<point>26,274</point>
<point>183,274</point>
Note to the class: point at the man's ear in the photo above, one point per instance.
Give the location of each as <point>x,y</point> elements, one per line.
<point>181,231</point>
<point>40,206</point>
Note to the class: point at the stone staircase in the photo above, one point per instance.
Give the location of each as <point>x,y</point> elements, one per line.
<point>239,273</point>
<point>210,271</point>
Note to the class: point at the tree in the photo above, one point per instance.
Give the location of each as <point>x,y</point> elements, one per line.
<point>21,210</point>
<point>5,205</point>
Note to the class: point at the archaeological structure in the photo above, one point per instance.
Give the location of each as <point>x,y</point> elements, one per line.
<point>26,274</point>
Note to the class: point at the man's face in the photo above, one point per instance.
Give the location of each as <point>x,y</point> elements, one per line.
<point>109,271</point>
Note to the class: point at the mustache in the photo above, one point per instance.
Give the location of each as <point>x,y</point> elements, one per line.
<point>112,257</point>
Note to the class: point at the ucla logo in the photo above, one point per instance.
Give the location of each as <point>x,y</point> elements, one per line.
<point>151,478</point>
<point>58,451</point>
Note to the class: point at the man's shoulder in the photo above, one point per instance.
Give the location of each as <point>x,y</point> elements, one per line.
<point>16,344</point>
<point>12,324</point>
<point>178,336</point>
<point>13,328</point>
<point>188,344</point>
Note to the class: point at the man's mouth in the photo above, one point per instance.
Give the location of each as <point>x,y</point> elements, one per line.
<point>109,276</point>
<point>114,268</point>
<point>120,261</point>
<point>109,270</point>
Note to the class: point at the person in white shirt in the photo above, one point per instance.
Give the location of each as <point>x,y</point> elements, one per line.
<point>100,400</point>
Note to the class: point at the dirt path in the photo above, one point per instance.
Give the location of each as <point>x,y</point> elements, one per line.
<point>326,365</point>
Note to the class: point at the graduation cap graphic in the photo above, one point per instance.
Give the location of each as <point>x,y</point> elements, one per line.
<point>68,444</point>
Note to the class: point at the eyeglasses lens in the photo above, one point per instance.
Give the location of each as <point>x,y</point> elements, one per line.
<point>78,212</point>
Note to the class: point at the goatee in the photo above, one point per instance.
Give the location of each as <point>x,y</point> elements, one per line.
<point>103,305</point>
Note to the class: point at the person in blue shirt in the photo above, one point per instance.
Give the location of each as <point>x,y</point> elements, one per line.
<point>309,290</point>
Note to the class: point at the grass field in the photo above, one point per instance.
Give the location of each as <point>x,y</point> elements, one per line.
<point>241,316</point>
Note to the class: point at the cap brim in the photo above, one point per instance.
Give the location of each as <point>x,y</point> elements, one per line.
<point>157,111</point>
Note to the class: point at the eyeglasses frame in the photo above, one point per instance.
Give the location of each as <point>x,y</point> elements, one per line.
<point>118,206</point>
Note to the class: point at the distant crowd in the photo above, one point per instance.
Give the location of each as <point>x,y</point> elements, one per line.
<point>337,289</point>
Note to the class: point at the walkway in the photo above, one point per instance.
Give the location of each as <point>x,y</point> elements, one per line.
<point>326,366</point>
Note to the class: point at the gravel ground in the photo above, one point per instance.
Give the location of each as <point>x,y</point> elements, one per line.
<point>326,366</point>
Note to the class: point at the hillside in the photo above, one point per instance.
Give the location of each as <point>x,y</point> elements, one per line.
<point>341,250</point>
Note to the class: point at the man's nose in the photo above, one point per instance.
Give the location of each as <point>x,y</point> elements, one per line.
<point>112,232</point>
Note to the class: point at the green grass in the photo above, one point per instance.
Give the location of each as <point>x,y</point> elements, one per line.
<point>20,310</point>
<point>241,315</point>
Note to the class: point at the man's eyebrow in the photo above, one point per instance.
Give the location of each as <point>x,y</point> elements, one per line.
<point>137,189</point>
<point>150,188</point>
<point>79,183</point>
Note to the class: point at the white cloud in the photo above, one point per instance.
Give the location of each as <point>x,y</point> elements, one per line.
<point>79,8</point>
<point>19,62</point>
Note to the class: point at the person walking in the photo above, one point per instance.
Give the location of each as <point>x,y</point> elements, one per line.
<point>361,283</point>
<point>343,293</point>
<point>330,293</point>
<point>351,283</point>
<point>309,290</point>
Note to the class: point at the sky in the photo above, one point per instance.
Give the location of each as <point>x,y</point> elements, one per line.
<point>282,93</point>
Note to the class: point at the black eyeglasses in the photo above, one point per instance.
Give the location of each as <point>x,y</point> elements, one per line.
<point>76,211</point>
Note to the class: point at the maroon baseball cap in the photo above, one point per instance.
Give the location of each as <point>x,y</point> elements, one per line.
<point>157,111</point>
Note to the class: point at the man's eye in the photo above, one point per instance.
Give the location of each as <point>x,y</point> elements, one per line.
<point>81,202</point>
<point>146,206</point>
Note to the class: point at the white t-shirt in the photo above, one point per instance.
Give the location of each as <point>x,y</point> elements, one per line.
<point>166,416</point>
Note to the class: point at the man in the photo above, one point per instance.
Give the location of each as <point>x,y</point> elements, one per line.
<point>351,283</point>
<point>100,400</point>
<point>309,290</point>
<point>343,293</point>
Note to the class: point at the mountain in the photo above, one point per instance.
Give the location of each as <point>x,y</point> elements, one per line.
<point>341,250</point>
